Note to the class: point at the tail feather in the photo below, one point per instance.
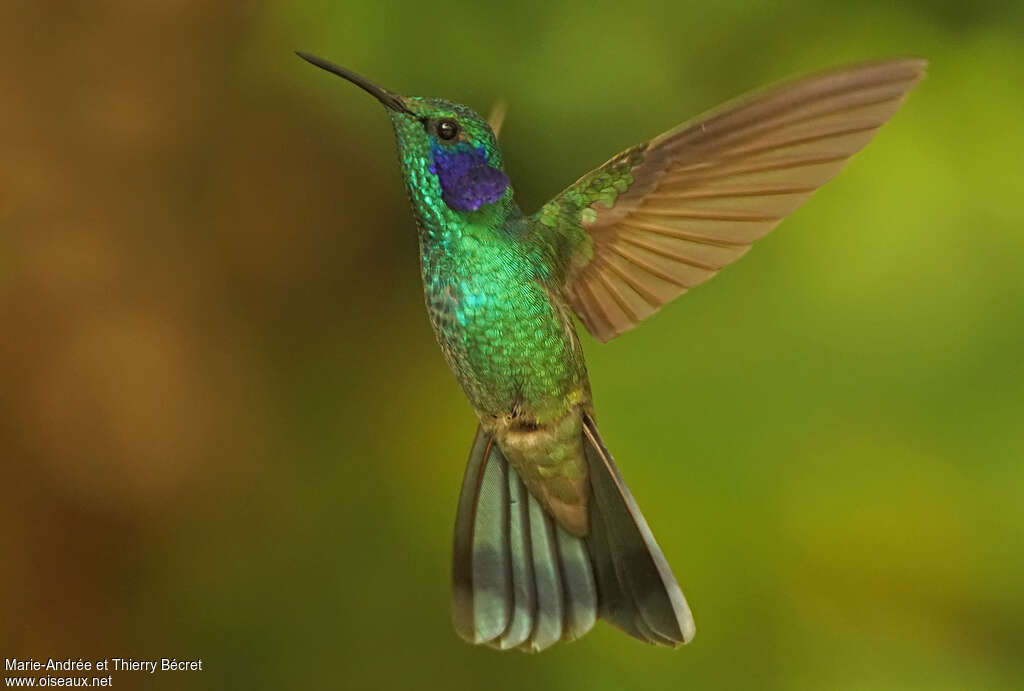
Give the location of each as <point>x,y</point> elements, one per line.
<point>481,546</point>
<point>644,595</point>
<point>520,580</point>
<point>581,602</point>
<point>524,589</point>
<point>547,626</point>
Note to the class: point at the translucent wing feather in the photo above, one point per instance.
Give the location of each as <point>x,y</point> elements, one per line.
<point>662,217</point>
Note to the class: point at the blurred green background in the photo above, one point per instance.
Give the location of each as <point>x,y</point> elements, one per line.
<point>226,431</point>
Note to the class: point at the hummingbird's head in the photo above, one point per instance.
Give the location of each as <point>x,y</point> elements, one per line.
<point>450,149</point>
<point>449,153</point>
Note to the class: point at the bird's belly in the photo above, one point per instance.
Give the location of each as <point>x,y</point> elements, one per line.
<point>512,347</point>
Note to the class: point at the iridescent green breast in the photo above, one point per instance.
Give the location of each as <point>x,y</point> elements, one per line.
<point>510,342</point>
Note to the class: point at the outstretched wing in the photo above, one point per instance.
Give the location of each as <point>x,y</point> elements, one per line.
<point>664,216</point>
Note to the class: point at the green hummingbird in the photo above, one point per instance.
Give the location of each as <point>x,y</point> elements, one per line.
<point>548,537</point>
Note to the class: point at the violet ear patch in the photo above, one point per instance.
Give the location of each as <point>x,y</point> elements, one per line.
<point>467,181</point>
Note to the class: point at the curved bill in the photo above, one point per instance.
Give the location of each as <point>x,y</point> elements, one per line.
<point>389,99</point>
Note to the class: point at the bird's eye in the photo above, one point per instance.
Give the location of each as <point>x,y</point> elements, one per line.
<point>448,129</point>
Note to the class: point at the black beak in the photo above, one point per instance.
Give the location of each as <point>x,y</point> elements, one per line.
<point>389,99</point>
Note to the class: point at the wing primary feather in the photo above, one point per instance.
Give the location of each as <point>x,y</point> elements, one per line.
<point>805,138</point>
<point>829,108</point>
<point>584,306</point>
<point>680,234</point>
<point>650,268</point>
<point>699,214</point>
<point>728,192</point>
<point>724,169</point>
<point>766,103</point>
<point>641,290</point>
<point>617,318</point>
<point>617,296</point>
<point>596,310</point>
<point>668,254</point>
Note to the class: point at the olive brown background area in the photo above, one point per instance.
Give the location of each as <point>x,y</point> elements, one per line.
<point>226,432</point>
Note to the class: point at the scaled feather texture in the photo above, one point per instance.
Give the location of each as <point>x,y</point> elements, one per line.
<point>548,537</point>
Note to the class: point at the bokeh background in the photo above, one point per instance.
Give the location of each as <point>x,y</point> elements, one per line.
<point>226,431</point>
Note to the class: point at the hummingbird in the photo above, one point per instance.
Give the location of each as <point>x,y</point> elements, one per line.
<point>548,537</point>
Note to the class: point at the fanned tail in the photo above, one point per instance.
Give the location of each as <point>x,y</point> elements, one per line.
<point>520,580</point>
